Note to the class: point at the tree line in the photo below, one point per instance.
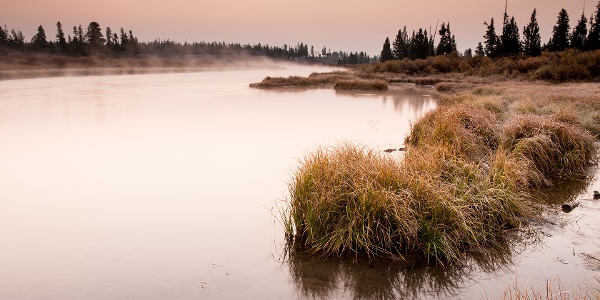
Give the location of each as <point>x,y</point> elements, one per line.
<point>510,42</point>
<point>93,40</point>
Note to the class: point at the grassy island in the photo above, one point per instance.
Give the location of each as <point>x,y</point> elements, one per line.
<point>465,178</point>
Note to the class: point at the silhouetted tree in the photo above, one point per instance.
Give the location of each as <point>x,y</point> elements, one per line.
<point>4,37</point>
<point>479,50</point>
<point>109,42</point>
<point>491,40</point>
<point>386,52</point>
<point>94,36</point>
<point>447,42</point>
<point>76,45</point>
<point>510,40</point>
<point>579,35</point>
<point>38,41</point>
<point>16,40</point>
<point>60,38</point>
<point>593,38</point>
<point>401,48</point>
<point>560,33</point>
<point>532,43</point>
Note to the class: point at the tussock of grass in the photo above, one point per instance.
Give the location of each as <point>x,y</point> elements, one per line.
<point>556,149</point>
<point>362,84</point>
<point>468,166</point>
<point>313,80</point>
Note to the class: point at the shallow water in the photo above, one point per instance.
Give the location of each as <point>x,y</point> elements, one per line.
<point>166,186</point>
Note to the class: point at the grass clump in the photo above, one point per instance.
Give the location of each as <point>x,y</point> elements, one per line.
<point>313,80</point>
<point>467,169</point>
<point>362,84</point>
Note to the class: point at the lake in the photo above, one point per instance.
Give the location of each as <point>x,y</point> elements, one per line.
<point>166,186</point>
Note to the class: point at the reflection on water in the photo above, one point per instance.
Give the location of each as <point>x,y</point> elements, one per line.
<point>383,278</point>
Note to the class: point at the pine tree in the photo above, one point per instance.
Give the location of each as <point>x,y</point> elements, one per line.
<point>532,43</point>
<point>94,35</point>
<point>560,32</point>
<point>38,41</point>
<point>109,41</point>
<point>593,38</point>
<point>510,39</point>
<point>579,36</point>
<point>386,52</point>
<point>479,50</point>
<point>400,50</point>
<point>60,38</point>
<point>447,42</point>
<point>492,41</point>
<point>3,36</point>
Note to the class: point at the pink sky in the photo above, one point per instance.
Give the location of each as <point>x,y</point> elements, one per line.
<point>337,24</point>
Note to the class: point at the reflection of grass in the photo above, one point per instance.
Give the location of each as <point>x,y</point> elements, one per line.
<point>467,168</point>
<point>322,278</point>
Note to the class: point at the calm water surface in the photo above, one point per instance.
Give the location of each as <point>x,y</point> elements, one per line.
<point>165,186</point>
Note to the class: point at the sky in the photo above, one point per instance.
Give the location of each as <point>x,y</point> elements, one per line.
<point>340,25</point>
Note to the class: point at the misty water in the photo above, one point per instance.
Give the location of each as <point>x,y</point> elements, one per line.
<point>166,186</point>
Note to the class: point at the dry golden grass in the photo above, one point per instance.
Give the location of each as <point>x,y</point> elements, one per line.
<point>554,291</point>
<point>313,80</point>
<point>362,84</point>
<point>468,167</point>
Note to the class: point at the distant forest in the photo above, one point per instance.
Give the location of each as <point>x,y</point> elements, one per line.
<point>421,44</point>
<point>93,41</point>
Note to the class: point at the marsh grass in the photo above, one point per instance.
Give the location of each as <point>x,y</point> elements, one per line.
<point>313,80</point>
<point>554,290</point>
<point>362,84</point>
<point>467,170</point>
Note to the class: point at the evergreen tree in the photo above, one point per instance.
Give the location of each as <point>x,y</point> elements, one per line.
<point>16,39</point>
<point>132,45</point>
<point>38,41</point>
<point>124,39</point>
<point>579,36</point>
<point>94,36</point>
<point>511,44</point>
<point>400,49</point>
<point>80,36</point>
<point>60,38</point>
<point>532,43</point>
<point>479,50</point>
<point>386,52</point>
<point>109,41</point>
<point>560,32</point>
<point>3,36</point>
<point>593,38</point>
<point>491,40</point>
<point>420,47</point>
<point>447,42</point>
